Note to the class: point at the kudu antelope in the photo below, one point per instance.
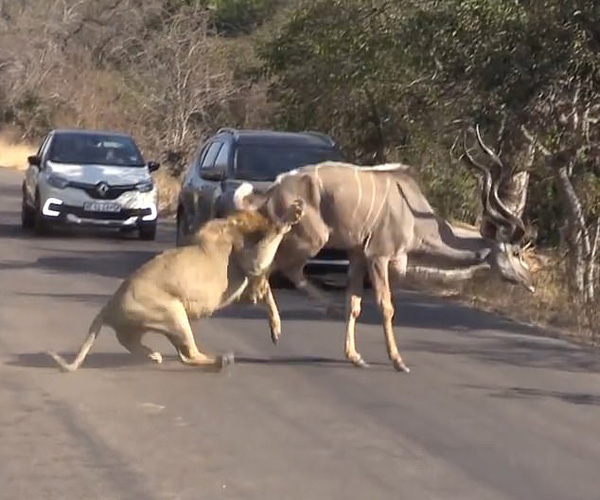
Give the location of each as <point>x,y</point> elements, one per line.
<point>380,216</point>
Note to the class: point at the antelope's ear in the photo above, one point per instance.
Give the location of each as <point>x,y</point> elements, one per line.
<point>244,198</point>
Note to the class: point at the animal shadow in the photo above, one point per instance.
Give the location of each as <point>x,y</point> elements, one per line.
<point>107,361</point>
<point>92,361</point>
<point>316,361</point>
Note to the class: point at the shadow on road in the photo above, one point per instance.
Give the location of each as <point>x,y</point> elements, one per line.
<point>413,311</point>
<point>14,231</point>
<point>171,362</point>
<point>112,264</point>
<point>467,336</point>
<point>93,360</point>
<point>10,228</point>
<point>91,298</point>
<point>576,398</point>
<point>513,351</point>
<point>108,263</point>
<point>103,360</point>
<point>300,360</point>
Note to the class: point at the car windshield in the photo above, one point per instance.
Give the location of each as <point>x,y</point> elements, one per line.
<point>101,149</point>
<point>265,163</point>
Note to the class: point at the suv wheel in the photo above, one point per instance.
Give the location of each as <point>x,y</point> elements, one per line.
<point>27,214</point>
<point>148,232</point>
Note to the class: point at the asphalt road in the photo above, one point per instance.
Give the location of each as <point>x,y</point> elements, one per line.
<point>489,410</point>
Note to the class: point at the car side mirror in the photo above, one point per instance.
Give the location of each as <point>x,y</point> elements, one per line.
<point>34,160</point>
<point>213,174</point>
<point>153,166</point>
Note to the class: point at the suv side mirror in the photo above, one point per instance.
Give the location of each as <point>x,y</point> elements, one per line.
<point>34,160</point>
<point>153,166</point>
<point>213,174</point>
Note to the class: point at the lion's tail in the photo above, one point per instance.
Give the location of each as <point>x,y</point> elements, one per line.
<point>85,348</point>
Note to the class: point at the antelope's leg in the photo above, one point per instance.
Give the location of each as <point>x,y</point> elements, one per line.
<point>379,273</point>
<point>131,339</point>
<point>354,294</point>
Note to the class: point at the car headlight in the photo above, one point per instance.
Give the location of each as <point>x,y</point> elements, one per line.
<point>145,186</point>
<point>56,180</point>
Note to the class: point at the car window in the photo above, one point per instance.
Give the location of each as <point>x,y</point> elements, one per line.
<point>211,155</point>
<point>198,155</point>
<point>196,161</point>
<point>266,162</point>
<point>94,148</point>
<point>44,145</point>
<point>222,160</point>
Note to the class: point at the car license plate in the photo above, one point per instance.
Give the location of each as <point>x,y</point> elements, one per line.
<point>101,207</point>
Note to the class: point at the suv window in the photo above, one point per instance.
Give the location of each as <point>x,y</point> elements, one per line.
<point>255,162</point>
<point>211,155</point>
<point>197,159</point>
<point>222,160</point>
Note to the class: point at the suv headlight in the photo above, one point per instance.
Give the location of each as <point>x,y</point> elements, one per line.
<point>145,186</point>
<point>57,181</point>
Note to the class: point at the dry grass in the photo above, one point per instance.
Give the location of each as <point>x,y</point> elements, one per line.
<point>551,306</point>
<point>548,305</point>
<point>14,154</point>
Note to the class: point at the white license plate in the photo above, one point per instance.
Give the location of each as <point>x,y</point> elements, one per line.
<point>101,207</point>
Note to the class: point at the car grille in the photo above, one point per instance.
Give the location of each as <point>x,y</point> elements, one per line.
<point>112,193</point>
<point>124,214</point>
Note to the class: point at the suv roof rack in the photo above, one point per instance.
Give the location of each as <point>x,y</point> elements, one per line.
<point>321,135</point>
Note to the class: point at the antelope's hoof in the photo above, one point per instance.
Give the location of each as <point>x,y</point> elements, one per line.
<point>275,327</point>
<point>226,360</point>
<point>359,362</point>
<point>275,337</point>
<point>400,366</point>
<point>156,357</point>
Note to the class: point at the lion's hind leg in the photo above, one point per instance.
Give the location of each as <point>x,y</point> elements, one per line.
<point>177,328</point>
<point>131,339</point>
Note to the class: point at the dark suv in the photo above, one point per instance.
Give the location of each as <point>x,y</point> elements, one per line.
<point>232,156</point>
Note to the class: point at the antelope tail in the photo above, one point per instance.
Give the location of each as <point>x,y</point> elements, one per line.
<point>85,348</point>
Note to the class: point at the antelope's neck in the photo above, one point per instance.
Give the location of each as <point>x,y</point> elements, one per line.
<point>440,244</point>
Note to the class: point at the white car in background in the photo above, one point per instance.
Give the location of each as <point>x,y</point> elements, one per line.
<point>90,178</point>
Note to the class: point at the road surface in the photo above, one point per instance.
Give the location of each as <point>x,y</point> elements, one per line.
<point>489,411</point>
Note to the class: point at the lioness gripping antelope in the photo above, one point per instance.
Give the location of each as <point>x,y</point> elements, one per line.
<point>228,260</point>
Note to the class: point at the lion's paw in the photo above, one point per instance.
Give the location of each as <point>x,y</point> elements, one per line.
<point>156,357</point>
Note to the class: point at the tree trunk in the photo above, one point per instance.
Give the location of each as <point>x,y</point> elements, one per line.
<point>580,251</point>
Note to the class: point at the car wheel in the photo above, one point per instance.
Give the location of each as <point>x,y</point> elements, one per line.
<point>27,215</point>
<point>148,232</point>
<point>40,226</point>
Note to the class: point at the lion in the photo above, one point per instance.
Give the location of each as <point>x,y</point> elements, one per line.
<point>228,261</point>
